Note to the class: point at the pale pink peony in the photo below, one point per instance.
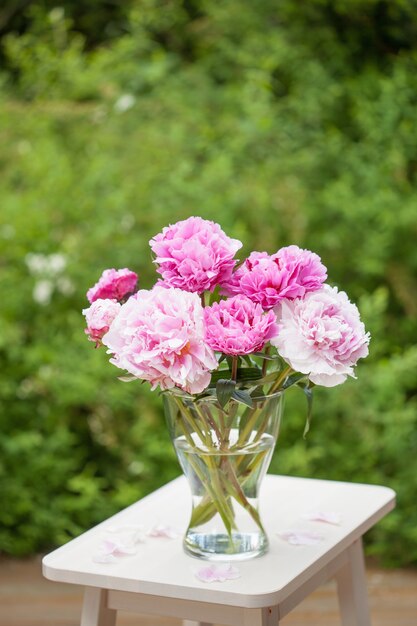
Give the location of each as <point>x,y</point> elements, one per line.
<point>238,326</point>
<point>321,335</point>
<point>194,255</point>
<point>99,317</point>
<point>158,336</point>
<point>114,284</point>
<point>268,279</point>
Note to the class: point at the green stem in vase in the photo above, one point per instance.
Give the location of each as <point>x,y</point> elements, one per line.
<point>229,423</point>
<point>235,490</point>
<point>213,487</point>
<point>206,510</point>
<point>248,427</point>
<point>219,467</point>
<point>220,502</point>
<point>213,425</point>
<point>214,490</point>
<point>188,418</point>
<point>281,378</point>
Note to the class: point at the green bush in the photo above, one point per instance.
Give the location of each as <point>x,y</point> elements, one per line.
<point>242,113</point>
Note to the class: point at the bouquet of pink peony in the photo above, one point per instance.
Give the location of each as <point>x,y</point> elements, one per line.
<point>223,340</point>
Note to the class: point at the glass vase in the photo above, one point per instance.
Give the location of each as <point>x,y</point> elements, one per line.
<point>224,453</point>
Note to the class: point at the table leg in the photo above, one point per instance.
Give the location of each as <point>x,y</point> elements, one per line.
<point>95,610</point>
<point>351,588</point>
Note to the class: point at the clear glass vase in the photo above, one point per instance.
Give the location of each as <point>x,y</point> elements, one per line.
<point>224,453</point>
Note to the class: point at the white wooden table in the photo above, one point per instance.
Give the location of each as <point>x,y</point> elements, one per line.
<point>160,578</point>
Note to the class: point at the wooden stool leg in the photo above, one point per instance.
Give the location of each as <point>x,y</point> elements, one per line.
<point>95,611</point>
<point>351,588</point>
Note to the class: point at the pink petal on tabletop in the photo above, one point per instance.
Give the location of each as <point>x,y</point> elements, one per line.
<point>117,547</point>
<point>217,573</point>
<point>100,557</point>
<point>107,546</point>
<point>227,572</point>
<point>160,530</point>
<point>108,550</point>
<point>206,574</point>
<point>329,517</point>
<point>300,537</point>
<point>128,535</point>
<point>105,553</point>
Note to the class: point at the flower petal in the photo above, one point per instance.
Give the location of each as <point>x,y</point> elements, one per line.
<point>217,573</point>
<point>160,530</point>
<point>328,517</point>
<point>300,537</point>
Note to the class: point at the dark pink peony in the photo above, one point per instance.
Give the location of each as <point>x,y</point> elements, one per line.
<point>194,255</point>
<point>238,326</point>
<point>113,284</point>
<point>268,279</point>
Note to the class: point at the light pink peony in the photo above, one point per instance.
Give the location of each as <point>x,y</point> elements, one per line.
<point>99,317</point>
<point>321,335</point>
<point>158,336</point>
<point>194,255</point>
<point>290,273</point>
<point>238,326</point>
<point>114,284</point>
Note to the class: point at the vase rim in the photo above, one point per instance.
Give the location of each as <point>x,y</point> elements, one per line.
<point>213,398</point>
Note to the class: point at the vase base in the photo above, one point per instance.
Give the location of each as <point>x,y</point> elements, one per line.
<point>221,547</point>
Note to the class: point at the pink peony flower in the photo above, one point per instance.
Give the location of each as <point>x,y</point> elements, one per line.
<point>114,284</point>
<point>99,317</point>
<point>321,335</point>
<point>238,326</point>
<point>290,273</point>
<point>158,336</point>
<point>194,255</point>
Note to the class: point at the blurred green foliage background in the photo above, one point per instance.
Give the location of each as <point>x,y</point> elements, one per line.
<point>285,122</point>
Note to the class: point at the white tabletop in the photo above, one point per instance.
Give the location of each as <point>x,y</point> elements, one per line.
<point>161,568</point>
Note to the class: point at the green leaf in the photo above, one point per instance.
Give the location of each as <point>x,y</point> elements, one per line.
<point>243,397</point>
<point>248,373</point>
<point>127,379</point>
<point>229,360</point>
<point>243,374</point>
<point>224,390</point>
<point>218,375</point>
<point>248,360</point>
<point>308,392</point>
<point>267,357</point>
<point>294,379</point>
<point>256,392</point>
<point>269,378</point>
